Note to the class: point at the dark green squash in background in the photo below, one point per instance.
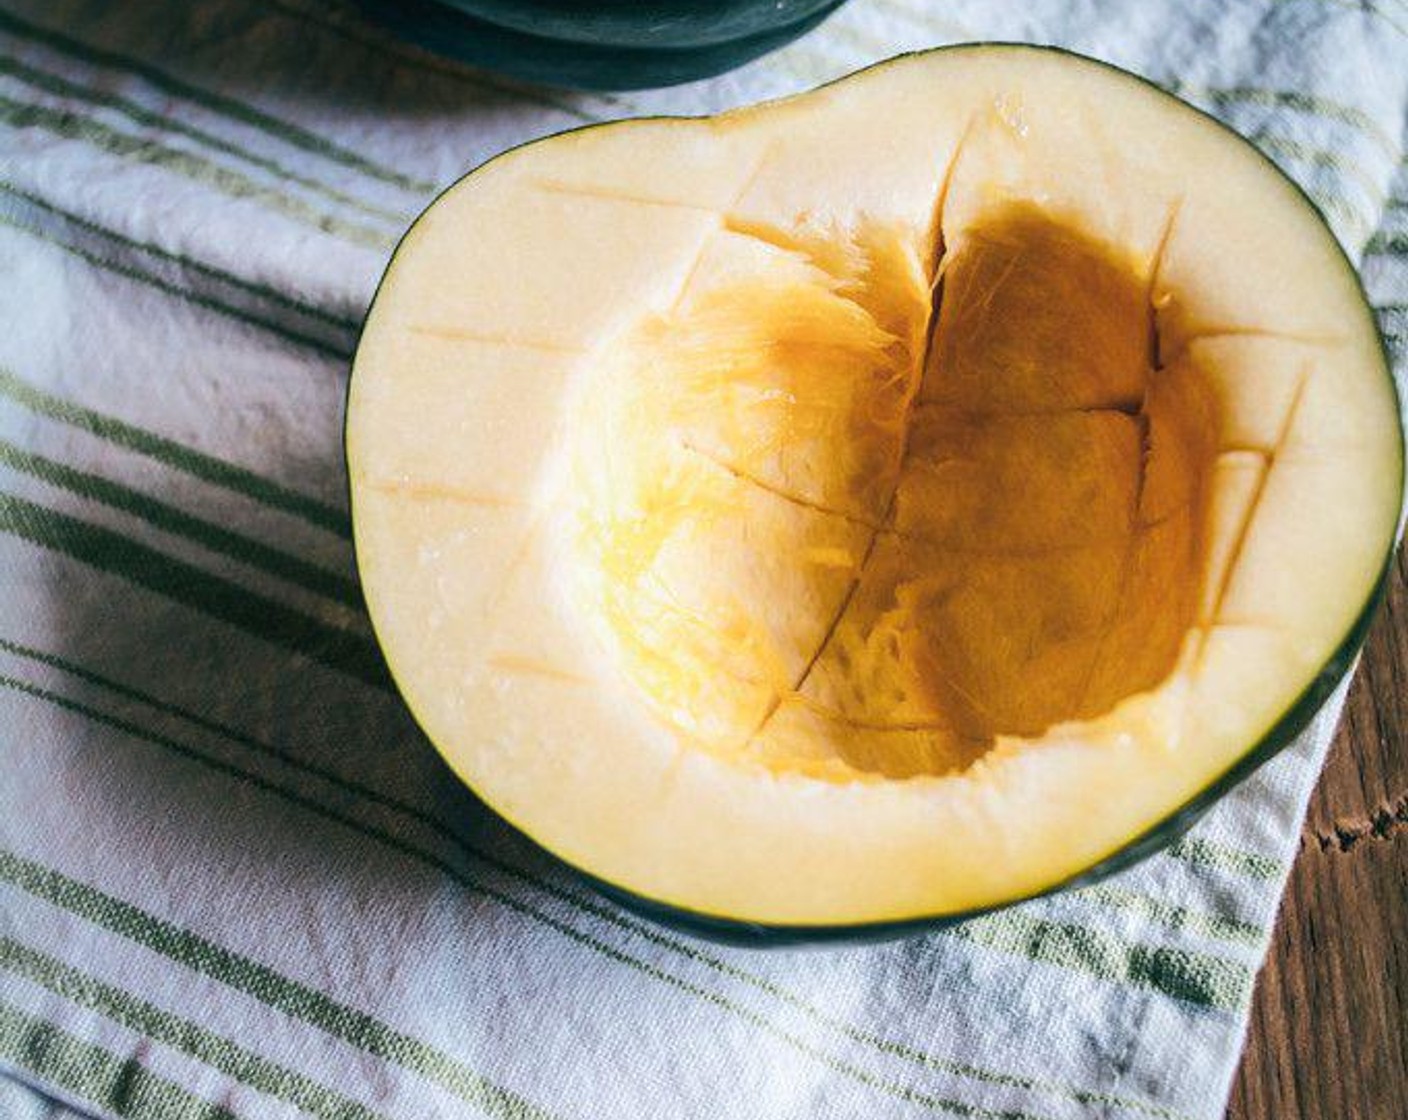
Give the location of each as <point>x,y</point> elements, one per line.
<point>603,44</point>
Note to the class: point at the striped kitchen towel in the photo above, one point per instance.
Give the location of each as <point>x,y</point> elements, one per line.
<point>234,879</point>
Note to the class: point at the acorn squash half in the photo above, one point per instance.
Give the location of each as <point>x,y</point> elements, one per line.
<point>876,506</point>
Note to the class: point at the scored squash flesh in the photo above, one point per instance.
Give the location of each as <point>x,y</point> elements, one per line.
<point>796,521</point>
<point>879,502</point>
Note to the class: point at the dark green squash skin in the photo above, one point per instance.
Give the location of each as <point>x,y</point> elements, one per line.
<point>652,24</point>
<point>1156,838</point>
<point>653,44</point>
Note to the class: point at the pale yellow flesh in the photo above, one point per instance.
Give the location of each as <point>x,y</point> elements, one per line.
<point>712,560</point>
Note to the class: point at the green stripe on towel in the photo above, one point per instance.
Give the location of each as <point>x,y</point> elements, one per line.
<point>136,149</point>
<point>169,519</point>
<point>327,349</point>
<point>180,1034</point>
<point>62,87</point>
<point>264,618</point>
<point>97,1076</point>
<point>262,291</point>
<point>179,456</point>
<point>225,106</point>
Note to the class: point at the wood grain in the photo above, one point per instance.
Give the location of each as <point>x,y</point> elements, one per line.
<point>1329,1028</point>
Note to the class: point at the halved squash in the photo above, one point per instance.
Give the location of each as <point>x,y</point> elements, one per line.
<point>875,506</point>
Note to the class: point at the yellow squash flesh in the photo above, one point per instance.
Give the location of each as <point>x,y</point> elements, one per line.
<point>879,504</point>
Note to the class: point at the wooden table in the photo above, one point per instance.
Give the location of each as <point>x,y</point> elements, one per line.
<point>1329,1028</point>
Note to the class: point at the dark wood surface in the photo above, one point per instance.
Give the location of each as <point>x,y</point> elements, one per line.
<point>1329,1027</point>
